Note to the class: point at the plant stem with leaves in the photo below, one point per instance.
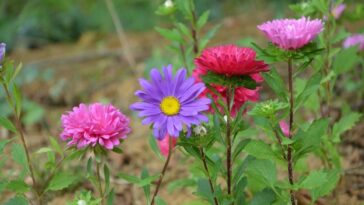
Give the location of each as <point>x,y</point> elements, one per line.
<point>203,157</point>
<point>159,183</point>
<point>22,139</point>
<point>291,110</point>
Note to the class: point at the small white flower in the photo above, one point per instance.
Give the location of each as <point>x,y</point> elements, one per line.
<point>81,202</point>
<point>200,130</point>
<point>168,3</point>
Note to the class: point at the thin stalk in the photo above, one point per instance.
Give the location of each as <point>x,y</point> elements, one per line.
<point>101,192</point>
<point>159,183</point>
<point>23,142</point>
<point>203,156</point>
<point>327,66</point>
<point>289,151</point>
<point>228,140</point>
<point>194,30</point>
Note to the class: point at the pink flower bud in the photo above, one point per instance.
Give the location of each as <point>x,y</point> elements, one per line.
<point>284,127</point>
<point>164,145</point>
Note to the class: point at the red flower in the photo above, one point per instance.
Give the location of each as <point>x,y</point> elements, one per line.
<point>230,60</point>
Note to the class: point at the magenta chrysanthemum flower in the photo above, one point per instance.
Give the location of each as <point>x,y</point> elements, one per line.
<point>89,125</point>
<point>2,51</point>
<point>230,60</point>
<point>353,40</point>
<point>338,10</point>
<point>291,33</point>
<point>169,102</point>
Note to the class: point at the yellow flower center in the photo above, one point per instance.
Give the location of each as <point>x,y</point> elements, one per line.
<point>170,105</point>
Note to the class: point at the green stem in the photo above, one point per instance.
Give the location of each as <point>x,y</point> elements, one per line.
<point>101,192</point>
<point>203,157</point>
<point>228,140</point>
<point>291,110</point>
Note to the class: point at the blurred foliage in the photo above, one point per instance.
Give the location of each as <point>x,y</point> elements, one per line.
<point>33,23</point>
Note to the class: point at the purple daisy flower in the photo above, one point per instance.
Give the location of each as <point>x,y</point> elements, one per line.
<point>170,102</point>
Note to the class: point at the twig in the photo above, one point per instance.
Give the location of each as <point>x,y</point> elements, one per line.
<point>228,140</point>
<point>163,171</point>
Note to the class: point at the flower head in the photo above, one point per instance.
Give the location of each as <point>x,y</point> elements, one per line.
<point>353,40</point>
<point>164,144</point>
<point>2,51</point>
<point>89,125</point>
<point>169,102</point>
<point>230,60</point>
<point>291,33</point>
<point>338,10</point>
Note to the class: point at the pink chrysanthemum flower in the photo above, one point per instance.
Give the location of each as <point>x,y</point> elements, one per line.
<point>230,60</point>
<point>353,40</point>
<point>164,144</point>
<point>89,125</point>
<point>291,34</point>
<point>338,10</point>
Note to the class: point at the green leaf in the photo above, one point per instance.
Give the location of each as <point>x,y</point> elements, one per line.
<point>159,201</point>
<point>240,147</point>
<point>146,188</point>
<point>61,181</point>
<point>7,124</point>
<point>212,78</point>
<point>346,123</point>
<point>172,35</point>
<point>345,60</point>
<point>240,195</point>
<point>268,108</point>
<point>110,198</point>
<point>263,171</point>
<point>55,145</point>
<point>44,150</point>
<point>260,150</point>
<point>274,80</point>
<point>208,36</point>
<point>18,99</point>
<point>17,200</point>
<point>18,186</point>
<point>129,178</point>
<point>107,178</point>
<point>325,188</point>
<point>309,141</point>
<point>313,180</point>
<point>147,180</point>
<point>153,144</point>
<point>266,196</point>
<point>311,87</point>
<point>203,19</point>
<point>18,155</point>
<point>3,143</point>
